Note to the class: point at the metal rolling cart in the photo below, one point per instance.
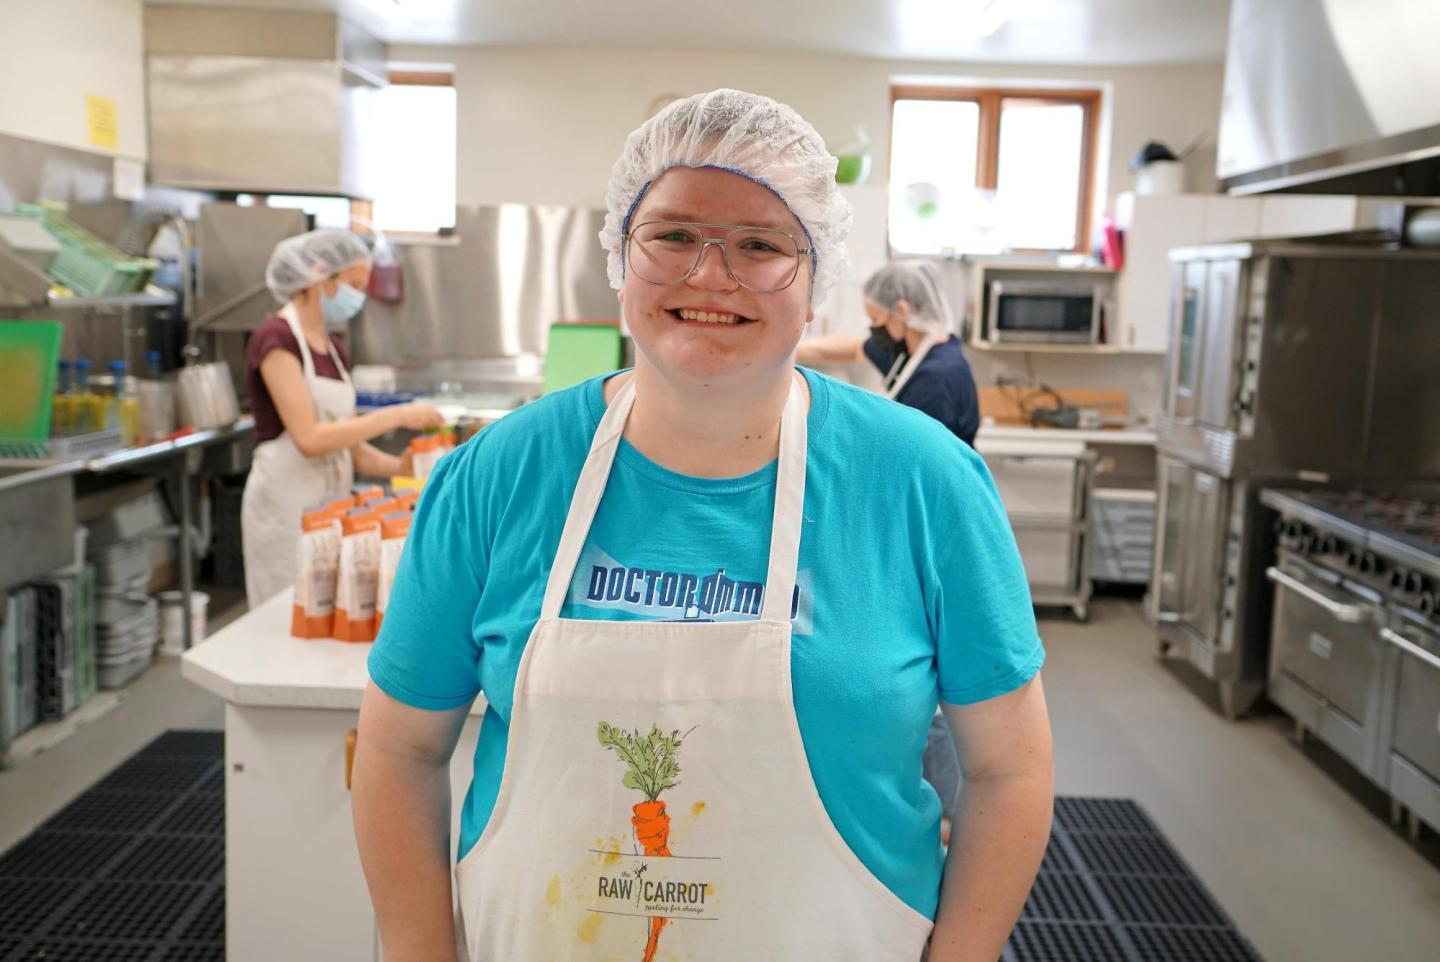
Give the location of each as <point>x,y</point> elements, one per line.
<point>1046,489</point>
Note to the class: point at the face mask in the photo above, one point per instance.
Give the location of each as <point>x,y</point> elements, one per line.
<point>886,341</point>
<point>344,305</point>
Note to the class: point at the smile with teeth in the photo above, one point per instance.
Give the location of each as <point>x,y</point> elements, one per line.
<point>709,317</point>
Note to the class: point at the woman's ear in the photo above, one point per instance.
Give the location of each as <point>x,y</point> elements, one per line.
<point>331,286</point>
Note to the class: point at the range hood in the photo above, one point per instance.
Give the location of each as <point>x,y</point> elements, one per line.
<point>1332,96</point>
<point>255,100</point>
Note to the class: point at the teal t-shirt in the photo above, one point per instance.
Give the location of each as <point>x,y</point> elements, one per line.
<point>909,590</point>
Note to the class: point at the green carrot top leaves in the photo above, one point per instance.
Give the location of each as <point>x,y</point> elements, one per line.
<point>651,763</point>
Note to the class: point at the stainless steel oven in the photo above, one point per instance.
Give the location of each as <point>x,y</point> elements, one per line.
<point>1065,312</point>
<point>1326,658</point>
<point>1290,365</point>
<point>1413,766</point>
<point>1355,645</point>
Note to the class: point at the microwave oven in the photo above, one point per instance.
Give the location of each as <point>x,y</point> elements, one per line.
<point>1044,311</point>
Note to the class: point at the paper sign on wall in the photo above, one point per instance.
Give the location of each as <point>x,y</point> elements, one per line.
<point>103,127</point>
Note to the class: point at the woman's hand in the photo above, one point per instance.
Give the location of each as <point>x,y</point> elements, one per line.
<point>416,416</point>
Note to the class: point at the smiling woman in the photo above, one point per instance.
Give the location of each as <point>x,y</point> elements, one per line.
<point>693,551</point>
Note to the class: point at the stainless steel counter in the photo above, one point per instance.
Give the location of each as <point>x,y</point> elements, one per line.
<point>37,501</point>
<point>125,457</point>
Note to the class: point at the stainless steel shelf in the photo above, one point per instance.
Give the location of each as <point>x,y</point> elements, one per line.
<point>127,457</point>
<point>145,299</point>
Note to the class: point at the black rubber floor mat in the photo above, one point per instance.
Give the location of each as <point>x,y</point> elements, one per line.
<point>134,871</point>
<point>131,871</point>
<point>1112,889</point>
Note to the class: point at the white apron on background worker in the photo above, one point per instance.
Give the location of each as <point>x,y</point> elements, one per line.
<point>908,364</point>
<point>733,856</point>
<point>283,481</point>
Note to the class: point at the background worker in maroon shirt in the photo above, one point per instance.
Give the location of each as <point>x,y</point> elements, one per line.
<point>310,443</point>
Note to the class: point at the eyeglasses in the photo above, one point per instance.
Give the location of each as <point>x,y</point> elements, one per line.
<point>759,259</point>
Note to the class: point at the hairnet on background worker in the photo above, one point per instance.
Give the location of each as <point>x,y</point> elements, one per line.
<point>307,259</point>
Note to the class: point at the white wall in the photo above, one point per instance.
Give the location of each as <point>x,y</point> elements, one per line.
<point>55,52</point>
<point>545,124</point>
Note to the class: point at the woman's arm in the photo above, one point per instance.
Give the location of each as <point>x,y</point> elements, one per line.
<point>400,798</point>
<point>830,349</point>
<point>374,463</point>
<point>1002,824</point>
<point>285,380</point>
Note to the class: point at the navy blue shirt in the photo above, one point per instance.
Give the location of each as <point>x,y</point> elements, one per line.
<point>942,386</point>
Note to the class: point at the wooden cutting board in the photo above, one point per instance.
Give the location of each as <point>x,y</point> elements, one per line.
<point>1011,406</point>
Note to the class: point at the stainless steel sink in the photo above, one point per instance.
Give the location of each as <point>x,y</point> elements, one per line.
<point>37,521</point>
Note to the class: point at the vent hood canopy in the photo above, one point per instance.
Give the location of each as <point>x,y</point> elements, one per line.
<point>265,101</point>
<point>1332,96</point>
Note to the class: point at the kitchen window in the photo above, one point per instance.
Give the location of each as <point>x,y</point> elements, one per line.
<point>415,160</point>
<point>985,170</point>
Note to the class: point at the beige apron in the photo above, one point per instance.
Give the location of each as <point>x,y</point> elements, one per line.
<point>895,380</point>
<point>283,482</point>
<point>656,802</point>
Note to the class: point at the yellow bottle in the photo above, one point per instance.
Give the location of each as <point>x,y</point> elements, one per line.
<point>123,405</point>
<point>84,402</point>
<point>60,406</point>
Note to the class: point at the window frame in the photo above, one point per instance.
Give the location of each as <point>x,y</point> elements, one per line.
<point>990,101</point>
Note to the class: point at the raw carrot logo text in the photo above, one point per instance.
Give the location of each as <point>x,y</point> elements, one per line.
<point>652,766</point>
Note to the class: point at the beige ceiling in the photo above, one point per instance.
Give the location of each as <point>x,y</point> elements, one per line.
<point>1035,31</point>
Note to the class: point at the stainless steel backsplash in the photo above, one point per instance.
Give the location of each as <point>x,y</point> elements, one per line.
<point>477,306</point>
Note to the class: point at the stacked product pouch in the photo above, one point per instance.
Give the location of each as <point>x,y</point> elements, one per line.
<point>426,450</point>
<point>358,576</point>
<point>317,570</point>
<point>393,529</point>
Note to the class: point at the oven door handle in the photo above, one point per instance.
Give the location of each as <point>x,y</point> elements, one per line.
<point>1350,614</point>
<point>1409,647</point>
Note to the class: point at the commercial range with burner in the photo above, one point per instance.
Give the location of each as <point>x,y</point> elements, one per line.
<point>1355,646</point>
<point>1290,365</point>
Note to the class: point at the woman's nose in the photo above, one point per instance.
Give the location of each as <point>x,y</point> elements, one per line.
<point>712,273</point>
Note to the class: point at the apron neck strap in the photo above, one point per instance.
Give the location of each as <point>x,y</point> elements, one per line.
<point>785,528</point>
<point>307,361</point>
<point>895,382</point>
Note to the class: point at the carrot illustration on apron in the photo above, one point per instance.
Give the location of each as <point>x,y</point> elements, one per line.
<point>651,767</point>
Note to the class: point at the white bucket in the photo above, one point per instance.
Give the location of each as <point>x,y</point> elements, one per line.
<point>172,628</point>
<point>1161,177</point>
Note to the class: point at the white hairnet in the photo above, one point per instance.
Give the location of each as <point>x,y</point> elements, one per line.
<point>916,284</point>
<point>749,135</point>
<point>306,259</point>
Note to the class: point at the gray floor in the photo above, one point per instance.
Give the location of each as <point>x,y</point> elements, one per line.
<point>1306,871</point>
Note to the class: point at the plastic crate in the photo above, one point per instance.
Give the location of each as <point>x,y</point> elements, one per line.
<point>86,264</point>
<point>17,664</point>
<point>55,676</point>
<point>85,680</point>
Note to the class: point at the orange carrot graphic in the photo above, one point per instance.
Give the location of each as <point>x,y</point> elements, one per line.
<point>651,767</point>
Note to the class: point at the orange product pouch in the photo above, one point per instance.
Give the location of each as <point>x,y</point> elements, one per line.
<point>316,571</point>
<point>357,580</point>
<point>393,529</point>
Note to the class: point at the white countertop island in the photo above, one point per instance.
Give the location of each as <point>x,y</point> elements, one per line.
<point>254,661</point>
<point>294,889</point>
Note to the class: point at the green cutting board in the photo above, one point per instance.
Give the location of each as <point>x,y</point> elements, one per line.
<point>580,351</point>
<point>29,352</point>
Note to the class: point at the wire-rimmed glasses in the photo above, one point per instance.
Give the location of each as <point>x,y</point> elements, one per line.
<point>760,259</point>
